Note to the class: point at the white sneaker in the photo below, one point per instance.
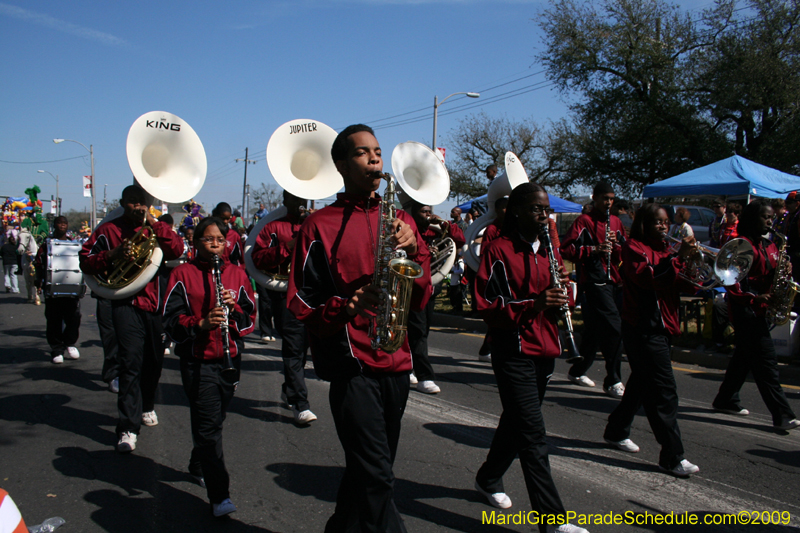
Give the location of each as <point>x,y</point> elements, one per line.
<point>265,339</point>
<point>149,419</point>
<point>617,390</point>
<point>166,351</point>
<point>303,418</point>
<point>113,386</point>
<point>791,424</point>
<point>127,442</point>
<point>684,469</point>
<point>583,381</point>
<point>498,499</point>
<point>566,528</point>
<point>412,379</point>
<point>223,508</point>
<point>72,353</point>
<point>626,445</point>
<point>58,359</point>
<point>485,358</point>
<point>428,387</point>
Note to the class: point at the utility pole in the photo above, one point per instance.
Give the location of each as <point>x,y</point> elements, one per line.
<point>244,187</point>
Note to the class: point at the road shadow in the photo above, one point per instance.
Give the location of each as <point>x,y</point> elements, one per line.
<point>173,394</point>
<point>51,409</point>
<point>66,373</point>
<point>412,498</point>
<point>130,510</point>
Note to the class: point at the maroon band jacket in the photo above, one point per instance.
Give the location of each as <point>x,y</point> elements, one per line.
<point>651,293</point>
<point>192,294</point>
<point>334,257</point>
<point>511,276</point>
<point>759,279</point>
<point>94,254</point>
<point>234,251</point>
<point>587,231</point>
<point>270,252</point>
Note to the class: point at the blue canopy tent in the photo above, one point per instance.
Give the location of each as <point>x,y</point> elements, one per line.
<point>734,176</point>
<point>557,204</point>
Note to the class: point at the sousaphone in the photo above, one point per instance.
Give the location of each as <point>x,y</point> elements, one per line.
<point>168,161</point>
<point>299,158</point>
<point>422,176</point>
<point>514,174</point>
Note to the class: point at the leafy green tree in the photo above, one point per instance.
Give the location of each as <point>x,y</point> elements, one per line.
<point>480,141</point>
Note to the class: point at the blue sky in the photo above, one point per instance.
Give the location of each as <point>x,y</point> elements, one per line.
<point>235,71</point>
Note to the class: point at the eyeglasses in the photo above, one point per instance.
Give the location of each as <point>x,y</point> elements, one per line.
<point>539,209</point>
<point>211,240</point>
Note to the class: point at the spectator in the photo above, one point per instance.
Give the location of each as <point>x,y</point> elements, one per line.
<point>715,228</point>
<point>681,228</point>
<point>262,211</point>
<point>730,228</point>
<point>10,261</point>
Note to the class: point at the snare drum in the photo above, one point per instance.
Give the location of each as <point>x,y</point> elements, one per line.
<point>64,276</point>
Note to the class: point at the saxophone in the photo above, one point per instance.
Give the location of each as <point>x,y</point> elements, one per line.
<point>394,276</point>
<point>784,289</point>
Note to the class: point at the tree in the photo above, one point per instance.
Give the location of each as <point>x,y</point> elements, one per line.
<point>480,141</point>
<point>659,93</point>
<point>271,197</point>
<point>750,82</point>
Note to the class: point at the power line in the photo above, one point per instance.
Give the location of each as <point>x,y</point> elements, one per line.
<point>42,162</point>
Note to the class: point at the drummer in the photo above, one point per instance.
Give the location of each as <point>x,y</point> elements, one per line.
<point>62,311</point>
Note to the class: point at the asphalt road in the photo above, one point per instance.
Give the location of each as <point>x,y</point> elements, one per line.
<point>57,453</point>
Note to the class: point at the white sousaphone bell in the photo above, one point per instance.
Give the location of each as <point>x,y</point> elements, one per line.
<point>422,176</point>
<point>168,161</point>
<point>299,158</point>
<point>514,174</point>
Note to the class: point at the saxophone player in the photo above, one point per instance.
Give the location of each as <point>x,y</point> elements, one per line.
<point>750,300</point>
<point>332,292</point>
<point>194,322</point>
<point>140,351</point>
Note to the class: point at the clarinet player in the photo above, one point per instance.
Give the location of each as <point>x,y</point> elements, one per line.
<point>517,301</point>
<point>194,321</point>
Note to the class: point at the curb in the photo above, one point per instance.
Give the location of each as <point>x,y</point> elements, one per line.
<point>679,355</point>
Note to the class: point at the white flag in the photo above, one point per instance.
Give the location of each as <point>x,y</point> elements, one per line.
<point>87,186</point>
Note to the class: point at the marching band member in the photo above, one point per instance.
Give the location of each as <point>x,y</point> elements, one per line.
<point>63,313</point>
<point>749,301</point>
<point>419,322</point>
<point>649,321</point>
<point>234,251</point>
<point>516,300</point>
<point>140,351</point>
<point>586,245</point>
<point>273,252</point>
<point>192,319</point>
<point>331,291</point>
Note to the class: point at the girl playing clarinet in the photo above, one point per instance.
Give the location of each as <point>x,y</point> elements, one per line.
<point>515,298</point>
<point>193,320</point>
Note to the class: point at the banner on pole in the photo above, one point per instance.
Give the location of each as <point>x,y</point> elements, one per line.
<point>87,186</point>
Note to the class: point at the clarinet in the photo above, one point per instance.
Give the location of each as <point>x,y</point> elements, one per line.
<point>226,342</point>
<point>608,238</point>
<point>555,273</point>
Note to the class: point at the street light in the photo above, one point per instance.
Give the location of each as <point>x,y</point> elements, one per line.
<point>58,204</point>
<point>436,104</point>
<point>91,157</point>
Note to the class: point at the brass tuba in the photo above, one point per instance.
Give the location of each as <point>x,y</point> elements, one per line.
<point>168,161</point>
<point>711,267</point>
<point>298,155</point>
<point>421,175</point>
